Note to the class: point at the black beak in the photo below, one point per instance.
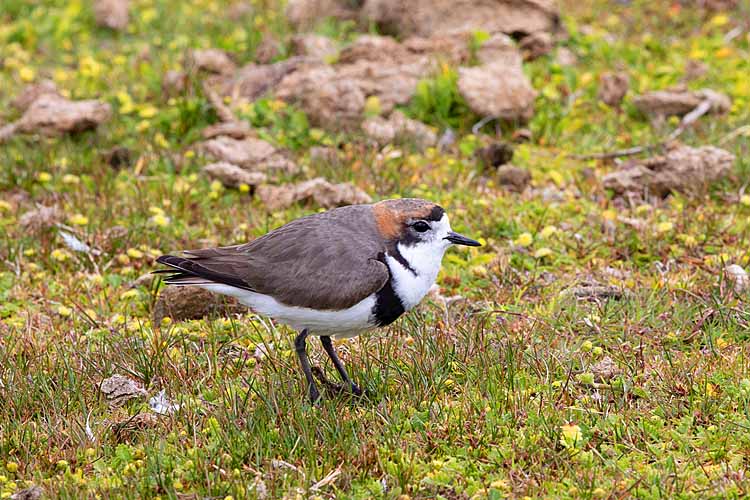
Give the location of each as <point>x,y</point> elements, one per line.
<point>459,239</point>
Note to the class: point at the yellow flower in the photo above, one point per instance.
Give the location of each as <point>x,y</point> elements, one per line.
<point>11,467</point>
<point>745,200</point>
<point>143,125</point>
<point>277,105</point>
<point>148,112</point>
<point>524,240</point>
<point>244,188</point>
<point>29,252</point>
<point>44,176</point>
<point>134,253</point>
<point>543,252</point>
<point>26,74</point>
<point>117,319</point>
<point>548,231</point>
<point>719,20</point>
<point>643,209</point>
<point>609,214</point>
<point>60,255</point>
<point>71,179</point>
<point>5,206</point>
<point>664,227</point>
<point>500,484</point>
<point>161,141</point>
<point>130,294</point>
<point>372,106</point>
<point>79,220</point>
<point>160,220</point>
<point>571,435</point>
<point>64,311</point>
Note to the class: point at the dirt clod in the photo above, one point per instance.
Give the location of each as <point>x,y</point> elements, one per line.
<point>232,176</point>
<point>536,45</point>
<point>497,90</point>
<point>433,17</point>
<point>52,114</point>
<point>315,46</point>
<point>30,493</point>
<point>112,14</point>
<point>211,60</point>
<point>174,83</point>
<point>682,169</point>
<point>514,178</point>
<point>192,302</point>
<point>233,129</point>
<point>679,102</point>
<point>40,218</point>
<point>319,190</point>
<point>253,155</point>
<point>31,93</point>
<point>398,128</point>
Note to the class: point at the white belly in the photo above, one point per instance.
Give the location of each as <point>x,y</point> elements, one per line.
<point>342,323</point>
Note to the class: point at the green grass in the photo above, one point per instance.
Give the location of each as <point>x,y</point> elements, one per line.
<point>491,398</point>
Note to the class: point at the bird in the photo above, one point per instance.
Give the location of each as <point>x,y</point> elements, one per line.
<point>333,274</point>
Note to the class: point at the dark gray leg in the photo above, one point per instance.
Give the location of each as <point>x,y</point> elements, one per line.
<point>299,346</point>
<point>328,346</point>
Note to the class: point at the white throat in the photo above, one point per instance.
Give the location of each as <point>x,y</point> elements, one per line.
<point>424,259</point>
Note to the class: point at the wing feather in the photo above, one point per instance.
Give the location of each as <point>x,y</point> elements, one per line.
<point>328,260</point>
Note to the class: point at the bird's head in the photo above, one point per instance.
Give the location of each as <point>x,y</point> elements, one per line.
<point>412,222</point>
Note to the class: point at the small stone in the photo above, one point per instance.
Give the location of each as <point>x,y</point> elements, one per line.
<point>119,389</point>
<point>566,57</point>
<point>605,370</point>
<point>118,157</point>
<point>738,277</point>
<point>613,87</point>
<point>592,291</point>
<point>536,45</point>
<point>495,154</point>
<point>174,83</point>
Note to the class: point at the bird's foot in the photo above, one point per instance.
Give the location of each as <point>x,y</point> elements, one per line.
<point>314,395</point>
<point>334,388</point>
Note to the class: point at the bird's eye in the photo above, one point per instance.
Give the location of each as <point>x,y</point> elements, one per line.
<point>421,226</point>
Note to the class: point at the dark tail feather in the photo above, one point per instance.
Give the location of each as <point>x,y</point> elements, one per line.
<point>189,272</point>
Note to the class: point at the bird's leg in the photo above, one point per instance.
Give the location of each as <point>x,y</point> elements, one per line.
<point>328,346</point>
<point>299,346</point>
